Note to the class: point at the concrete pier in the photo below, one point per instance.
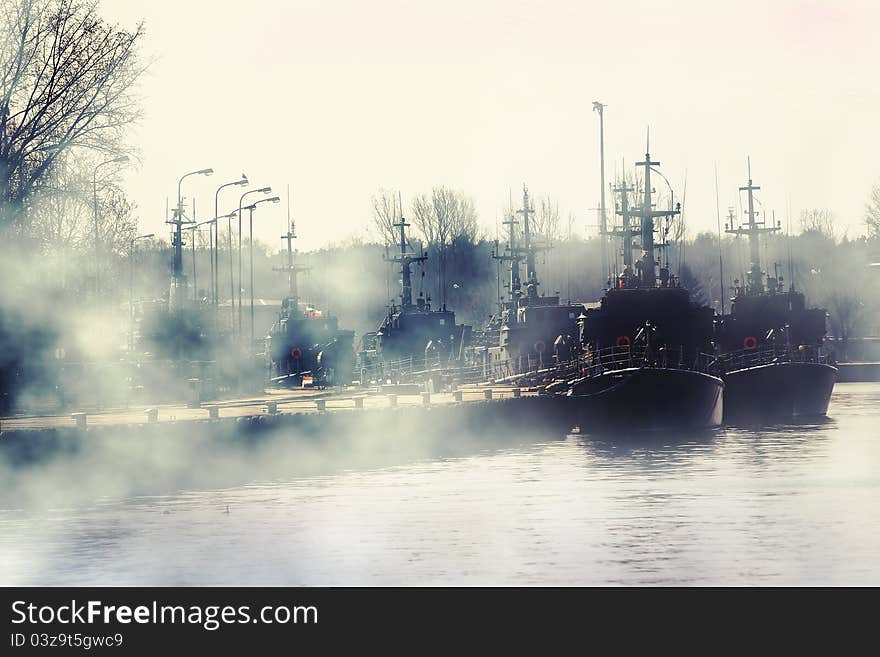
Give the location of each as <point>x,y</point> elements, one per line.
<point>337,415</point>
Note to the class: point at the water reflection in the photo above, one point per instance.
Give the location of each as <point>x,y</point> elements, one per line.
<point>787,504</point>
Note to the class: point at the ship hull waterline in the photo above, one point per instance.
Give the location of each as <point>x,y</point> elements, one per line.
<point>778,391</point>
<point>649,399</point>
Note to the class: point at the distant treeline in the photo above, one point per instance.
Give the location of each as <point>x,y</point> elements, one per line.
<point>354,282</point>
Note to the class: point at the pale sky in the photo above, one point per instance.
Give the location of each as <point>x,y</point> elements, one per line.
<point>341,97</point>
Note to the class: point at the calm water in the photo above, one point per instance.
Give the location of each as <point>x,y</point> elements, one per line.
<point>782,505</point>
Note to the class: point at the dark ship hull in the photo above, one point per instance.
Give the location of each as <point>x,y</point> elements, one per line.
<point>648,399</point>
<point>778,391</point>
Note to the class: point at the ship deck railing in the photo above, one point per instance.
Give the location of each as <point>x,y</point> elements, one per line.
<point>415,368</point>
<point>745,358</point>
<point>598,362</point>
<point>611,359</point>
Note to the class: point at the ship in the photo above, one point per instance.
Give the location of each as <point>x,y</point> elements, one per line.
<point>647,349</point>
<point>536,332</point>
<point>772,359</point>
<point>413,337</point>
<point>306,345</point>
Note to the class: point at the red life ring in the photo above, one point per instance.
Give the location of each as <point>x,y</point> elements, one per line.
<point>623,341</point>
<point>750,343</point>
<point>296,353</point>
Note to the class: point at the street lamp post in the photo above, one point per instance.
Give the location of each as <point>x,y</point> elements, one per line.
<point>603,228</point>
<point>195,277</point>
<point>251,209</point>
<point>262,190</point>
<point>215,270</point>
<point>121,158</point>
<point>177,240</point>
<point>131,289</point>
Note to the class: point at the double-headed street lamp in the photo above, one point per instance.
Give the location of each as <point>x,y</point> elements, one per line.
<point>131,288</point>
<point>261,190</point>
<point>121,158</point>
<point>251,209</point>
<point>177,241</point>
<point>215,263</point>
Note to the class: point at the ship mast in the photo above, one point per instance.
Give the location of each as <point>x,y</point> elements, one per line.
<point>291,268</point>
<point>647,265</point>
<point>529,249</point>
<point>513,256</point>
<point>626,232</point>
<point>753,230</point>
<point>405,259</point>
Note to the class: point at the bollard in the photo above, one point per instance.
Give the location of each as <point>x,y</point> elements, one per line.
<point>152,415</point>
<point>358,402</point>
<point>321,404</point>
<point>457,395</point>
<point>214,412</point>
<point>392,400</point>
<point>516,393</point>
<point>271,407</point>
<point>426,398</point>
<point>80,420</point>
<point>487,394</point>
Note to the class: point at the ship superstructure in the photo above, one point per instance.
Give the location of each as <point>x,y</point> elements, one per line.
<point>537,331</point>
<point>305,343</point>
<point>771,342</point>
<point>413,331</point>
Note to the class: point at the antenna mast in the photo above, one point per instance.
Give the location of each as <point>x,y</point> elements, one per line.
<point>647,265</point>
<point>720,250</point>
<point>291,268</point>
<point>405,259</point>
<point>755,283</point>
<point>626,232</point>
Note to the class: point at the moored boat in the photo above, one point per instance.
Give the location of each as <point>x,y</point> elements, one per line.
<point>772,358</point>
<point>646,360</point>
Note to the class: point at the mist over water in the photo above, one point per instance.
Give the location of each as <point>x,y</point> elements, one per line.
<point>793,504</point>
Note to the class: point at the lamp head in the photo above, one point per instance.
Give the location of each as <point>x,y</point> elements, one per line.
<point>243,181</point>
<point>205,172</point>
<point>121,158</point>
<point>265,190</point>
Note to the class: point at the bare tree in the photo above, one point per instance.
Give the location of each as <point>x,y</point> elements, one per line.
<point>425,220</point>
<point>386,213</point>
<point>117,223</point>
<point>441,218</point>
<point>818,221</point>
<point>67,81</point>
<point>546,221</point>
<point>872,213</point>
<point>58,213</point>
<point>61,214</point>
<point>464,221</point>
